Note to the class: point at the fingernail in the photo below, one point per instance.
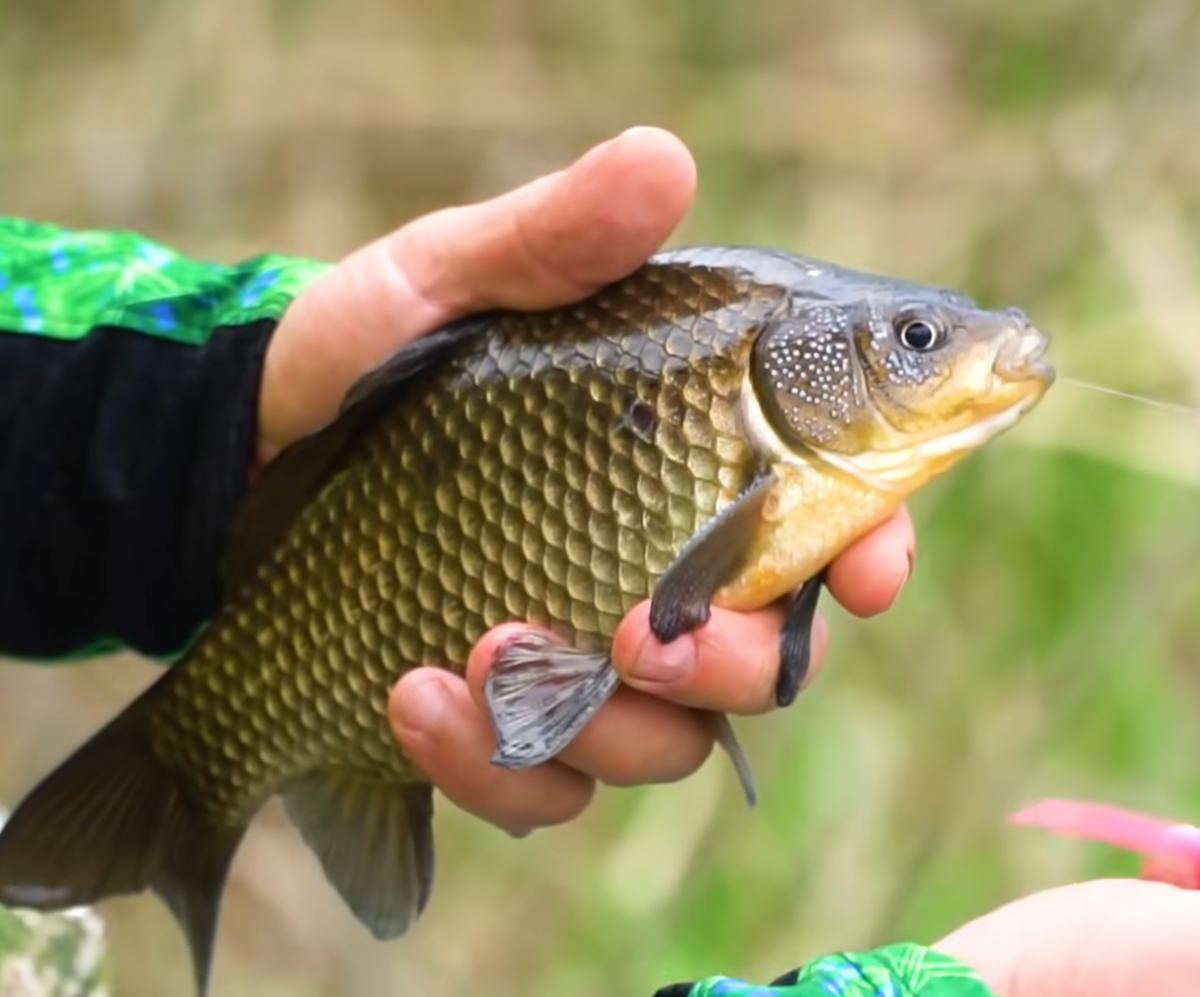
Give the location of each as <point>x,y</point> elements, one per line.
<point>423,705</point>
<point>904,580</point>
<point>671,662</point>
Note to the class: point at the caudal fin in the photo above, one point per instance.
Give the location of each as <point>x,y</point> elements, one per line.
<point>113,820</point>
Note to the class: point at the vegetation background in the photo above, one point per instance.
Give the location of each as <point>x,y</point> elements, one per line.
<point>1044,153</point>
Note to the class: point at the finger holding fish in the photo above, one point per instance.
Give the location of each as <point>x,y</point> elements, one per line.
<point>633,739</point>
<point>650,732</point>
<point>435,719</point>
<point>638,740</point>
<point>871,573</point>
<point>731,664</point>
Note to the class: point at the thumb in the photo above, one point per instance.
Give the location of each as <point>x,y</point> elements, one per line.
<point>1105,938</point>
<point>548,243</point>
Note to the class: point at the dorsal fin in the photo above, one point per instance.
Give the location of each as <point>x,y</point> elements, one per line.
<point>290,481</point>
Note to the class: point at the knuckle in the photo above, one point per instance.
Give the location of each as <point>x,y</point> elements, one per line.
<point>742,684</point>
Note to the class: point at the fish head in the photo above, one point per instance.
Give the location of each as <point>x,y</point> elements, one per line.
<point>894,381</point>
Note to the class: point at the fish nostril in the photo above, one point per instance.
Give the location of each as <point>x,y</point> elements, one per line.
<point>1020,352</point>
<point>1018,316</point>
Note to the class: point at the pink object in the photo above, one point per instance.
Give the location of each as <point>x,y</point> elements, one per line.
<point>1172,850</point>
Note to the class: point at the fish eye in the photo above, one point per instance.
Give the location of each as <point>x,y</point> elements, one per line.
<point>918,334</point>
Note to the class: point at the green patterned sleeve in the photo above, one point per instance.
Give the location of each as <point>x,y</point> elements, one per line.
<point>901,970</point>
<point>129,385</point>
<point>66,284</point>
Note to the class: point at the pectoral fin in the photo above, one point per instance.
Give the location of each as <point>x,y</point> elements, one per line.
<point>795,642</point>
<point>541,693</point>
<point>682,599</point>
<point>374,840</point>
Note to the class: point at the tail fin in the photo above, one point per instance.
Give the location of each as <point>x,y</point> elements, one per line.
<point>111,820</point>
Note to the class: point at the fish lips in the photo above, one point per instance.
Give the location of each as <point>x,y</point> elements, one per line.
<point>1022,356</point>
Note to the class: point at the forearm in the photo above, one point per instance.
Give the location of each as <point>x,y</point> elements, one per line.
<point>129,382</point>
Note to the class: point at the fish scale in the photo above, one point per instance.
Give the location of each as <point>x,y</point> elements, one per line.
<point>542,505</point>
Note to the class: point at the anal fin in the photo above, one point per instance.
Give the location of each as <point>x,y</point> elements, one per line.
<point>374,840</point>
<point>541,694</point>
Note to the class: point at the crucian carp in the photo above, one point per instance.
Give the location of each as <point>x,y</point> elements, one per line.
<point>713,429</point>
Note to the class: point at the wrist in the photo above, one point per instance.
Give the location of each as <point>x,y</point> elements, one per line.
<point>904,969</point>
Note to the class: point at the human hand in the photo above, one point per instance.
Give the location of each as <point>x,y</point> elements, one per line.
<point>1104,938</point>
<point>547,243</point>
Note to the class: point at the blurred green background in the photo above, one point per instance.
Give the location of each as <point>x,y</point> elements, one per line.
<point>1043,153</point>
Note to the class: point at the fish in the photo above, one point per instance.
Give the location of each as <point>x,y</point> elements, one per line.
<point>1170,849</point>
<point>711,430</point>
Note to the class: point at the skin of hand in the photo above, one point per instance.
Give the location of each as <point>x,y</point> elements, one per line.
<point>548,243</point>
<point>1103,938</point>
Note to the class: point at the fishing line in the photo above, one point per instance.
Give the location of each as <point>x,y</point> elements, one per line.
<point>1157,403</point>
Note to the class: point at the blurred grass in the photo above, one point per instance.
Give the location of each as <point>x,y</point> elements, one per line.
<point>1043,153</point>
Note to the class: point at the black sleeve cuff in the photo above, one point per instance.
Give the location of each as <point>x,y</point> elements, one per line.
<point>123,459</point>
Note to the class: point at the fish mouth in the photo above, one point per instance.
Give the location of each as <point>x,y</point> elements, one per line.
<point>1022,357</point>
